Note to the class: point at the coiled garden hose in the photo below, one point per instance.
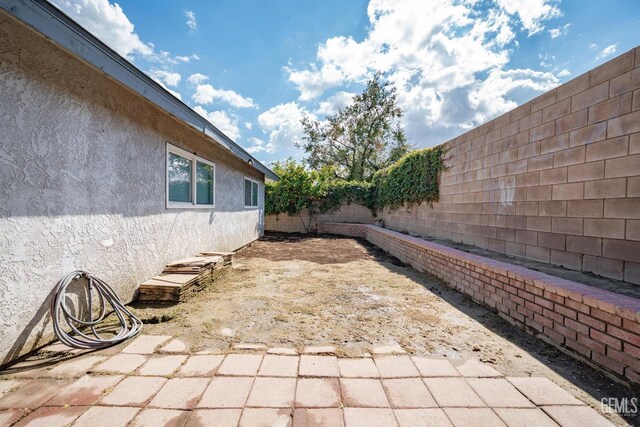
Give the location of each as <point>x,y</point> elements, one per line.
<point>130,325</point>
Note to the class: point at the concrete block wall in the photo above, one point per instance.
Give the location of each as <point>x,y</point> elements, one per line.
<point>284,223</point>
<point>598,326</point>
<point>555,180</point>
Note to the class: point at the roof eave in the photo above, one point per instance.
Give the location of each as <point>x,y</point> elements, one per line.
<point>68,34</point>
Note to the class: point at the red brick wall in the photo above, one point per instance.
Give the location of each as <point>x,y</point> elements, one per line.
<point>596,325</point>
<point>296,224</point>
<point>555,180</point>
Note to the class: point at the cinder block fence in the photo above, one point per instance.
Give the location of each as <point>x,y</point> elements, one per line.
<point>599,326</point>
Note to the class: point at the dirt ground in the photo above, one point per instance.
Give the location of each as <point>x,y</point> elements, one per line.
<point>288,290</point>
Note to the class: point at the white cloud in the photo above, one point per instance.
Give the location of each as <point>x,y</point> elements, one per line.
<point>248,125</point>
<point>109,23</point>
<point>258,146</point>
<point>191,21</point>
<point>223,121</point>
<point>560,31</point>
<point>187,58</point>
<point>207,94</point>
<point>197,78</point>
<point>448,62</point>
<point>607,51</point>
<point>332,104</point>
<point>546,59</point>
<point>282,124</point>
<point>564,73</point>
<point>593,46</point>
<point>532,13</point>
<point>169,78</point>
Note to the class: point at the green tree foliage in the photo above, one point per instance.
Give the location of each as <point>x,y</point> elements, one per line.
<point>412,179</point>
<point>359,139</point>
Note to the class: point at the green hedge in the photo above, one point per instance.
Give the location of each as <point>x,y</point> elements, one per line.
<point>411,180</point>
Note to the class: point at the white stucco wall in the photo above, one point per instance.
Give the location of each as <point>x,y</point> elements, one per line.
<point>82,173</point>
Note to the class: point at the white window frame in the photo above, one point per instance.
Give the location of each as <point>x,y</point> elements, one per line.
<point>172,149</point>
<point>246,178</point>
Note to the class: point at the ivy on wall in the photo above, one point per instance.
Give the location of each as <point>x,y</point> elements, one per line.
<point>411,180</point>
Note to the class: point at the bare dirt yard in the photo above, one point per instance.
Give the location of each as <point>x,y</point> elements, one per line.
<point>289,290</point>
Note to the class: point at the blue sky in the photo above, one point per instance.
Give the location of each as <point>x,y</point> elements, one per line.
<point>253,68</point>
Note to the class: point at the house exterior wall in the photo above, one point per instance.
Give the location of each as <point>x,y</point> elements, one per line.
<point>82,167</point>
<point>555,180</point>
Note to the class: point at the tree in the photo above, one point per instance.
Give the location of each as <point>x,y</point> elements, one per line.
<point>359,139</point>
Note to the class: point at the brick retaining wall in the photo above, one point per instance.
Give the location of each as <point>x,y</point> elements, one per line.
<point>597,325</point>
<point>285,223</point>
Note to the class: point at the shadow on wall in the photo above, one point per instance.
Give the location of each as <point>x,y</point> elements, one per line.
<point>76,301</point>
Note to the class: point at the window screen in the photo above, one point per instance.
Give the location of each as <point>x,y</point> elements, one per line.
<point>204,184</point>
<point>254,194</point>
<point>247,192</point>
<point>179,176</point>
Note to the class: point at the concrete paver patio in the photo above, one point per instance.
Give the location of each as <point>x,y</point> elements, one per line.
<point>142,387</point>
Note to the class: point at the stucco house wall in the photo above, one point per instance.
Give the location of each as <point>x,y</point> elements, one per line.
<point>82,167</point>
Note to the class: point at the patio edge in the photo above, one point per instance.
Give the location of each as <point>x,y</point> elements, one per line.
<point>596,325</point>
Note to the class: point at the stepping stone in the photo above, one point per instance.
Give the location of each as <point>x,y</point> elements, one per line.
<point>58,347</point>
<point>7,385</point>
<point>306,417</point>
<point>134,391</point>
<point>408,393</point>
<point>431,417</point>
<point>33,394</point>
<point>363,393</point>
<point>475,368</point>
<point>214,417</point>
<point>543,391</point>
<point>121,364</point>
<point>180,393</point>
<point>146,344</point>
<point>388,349</point>
<point>435,367</point>
<point>52,416</point>
<point>105,416</point>
<point>396,367</point>
<point>161,365</point>
<point>498,392</point>
<point>226,392</point>
<point>576,416</point>
<point>7,418</point>
<point>240,364</point>
<point>327,349</point>
<point>318,393</point>
<point>160,417</point>
<point>176,345</point>
<point>252,417</point>
<point>272,393</point>
<point>453,392</point>
<point>283,351</point>
<point>250,346</point>
<point>369,417</point>
<point>279,366</point>
<point>84,391</point>
<point>74,368</point>
<point>208,351</point>
<point>318,366</point>
<point>476,417</point>
<point>358,368</point>
<point>525,417</point>
<point>200,366</point>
